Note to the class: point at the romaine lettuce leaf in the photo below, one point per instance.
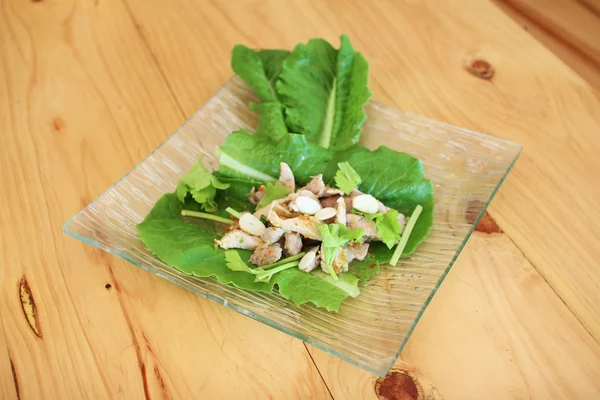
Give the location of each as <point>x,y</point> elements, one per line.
<point>394,178</point>
<point>323,91</point>
<point>190,247</point>
<point>259,69</point>
<point>271,124</point>
<point>251,158</point>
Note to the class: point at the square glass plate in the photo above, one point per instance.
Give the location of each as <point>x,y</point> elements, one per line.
<point>369,331</point>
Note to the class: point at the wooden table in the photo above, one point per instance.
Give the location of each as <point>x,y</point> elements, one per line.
<point>88,88</point>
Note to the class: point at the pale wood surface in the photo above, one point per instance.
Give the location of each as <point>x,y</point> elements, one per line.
<point>495,330</point>
<point>8,390</point>
<point>570,29</point>
<point>88,88</point>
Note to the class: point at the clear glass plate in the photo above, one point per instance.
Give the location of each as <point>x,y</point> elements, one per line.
<point>370,331</point>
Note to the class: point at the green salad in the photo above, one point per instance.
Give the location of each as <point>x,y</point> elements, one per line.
<point>298,205</point>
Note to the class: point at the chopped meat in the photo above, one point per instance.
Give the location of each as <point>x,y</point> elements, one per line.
<point>264,255</point>
<point>305,225</point>
<point>382,208</point>
<point>279,206</point>
<point>357,251</point>
<point>293,243</point>
<point>272,234</point>
<point>256,195</point>
<point>329,191</point>
<point>340,262</point>
<point>262,212</point>
<point>356,221</point>
<point>333,201</point>
<point>316,185</point>
<point>329,201</point>
<point>286,177</point>
<point>340,216</point>
<point>238,239</point>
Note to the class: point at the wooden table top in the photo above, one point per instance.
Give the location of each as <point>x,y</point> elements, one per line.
<point>88,88</point>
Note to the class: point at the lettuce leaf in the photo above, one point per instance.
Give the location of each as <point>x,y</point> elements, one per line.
<point>323,91</point>
<point>366,268</point>
<point>397,180</point>
<point>259,69</point>
<point>255,159</point>
<point>271,124</point>
<point>190,247</point>
<point>317,288</point>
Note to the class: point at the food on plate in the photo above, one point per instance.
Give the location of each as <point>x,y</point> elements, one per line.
<point>298,204</point>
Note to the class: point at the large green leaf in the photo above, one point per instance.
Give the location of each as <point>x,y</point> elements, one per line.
<point>323,91</point>
<point>317,288</point>
<point>397,180</point>
<point>259,69</point>
<point>190,247</point>
<point>271,123</point>
<point>251,158</point>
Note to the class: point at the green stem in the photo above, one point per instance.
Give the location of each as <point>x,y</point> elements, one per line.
<point>266,276</point>
<point>198,214</point>
<point>233,212</point>
<point>285,261</point>
<point>405,235</point>
<point>330,266</point>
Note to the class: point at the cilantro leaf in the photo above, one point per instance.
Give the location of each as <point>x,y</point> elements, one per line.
<point>346,178</point>
<point>335,236</point>
<point>201,185</point>
<point>388,226</point>
<point>273,191</point>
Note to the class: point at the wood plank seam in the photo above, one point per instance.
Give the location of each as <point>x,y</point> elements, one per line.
<point>533,265</point>
<point>319,371</point>
<point>548,29</point>
<point>589,7</point>
<point>134,340</point>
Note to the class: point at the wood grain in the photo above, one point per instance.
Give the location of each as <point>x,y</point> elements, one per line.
<point>551,106</point>
<point>570,29</point>
<point>9,378</point>
<point>90,87</point>
<point>495,330</point>
<point>80,86</point>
